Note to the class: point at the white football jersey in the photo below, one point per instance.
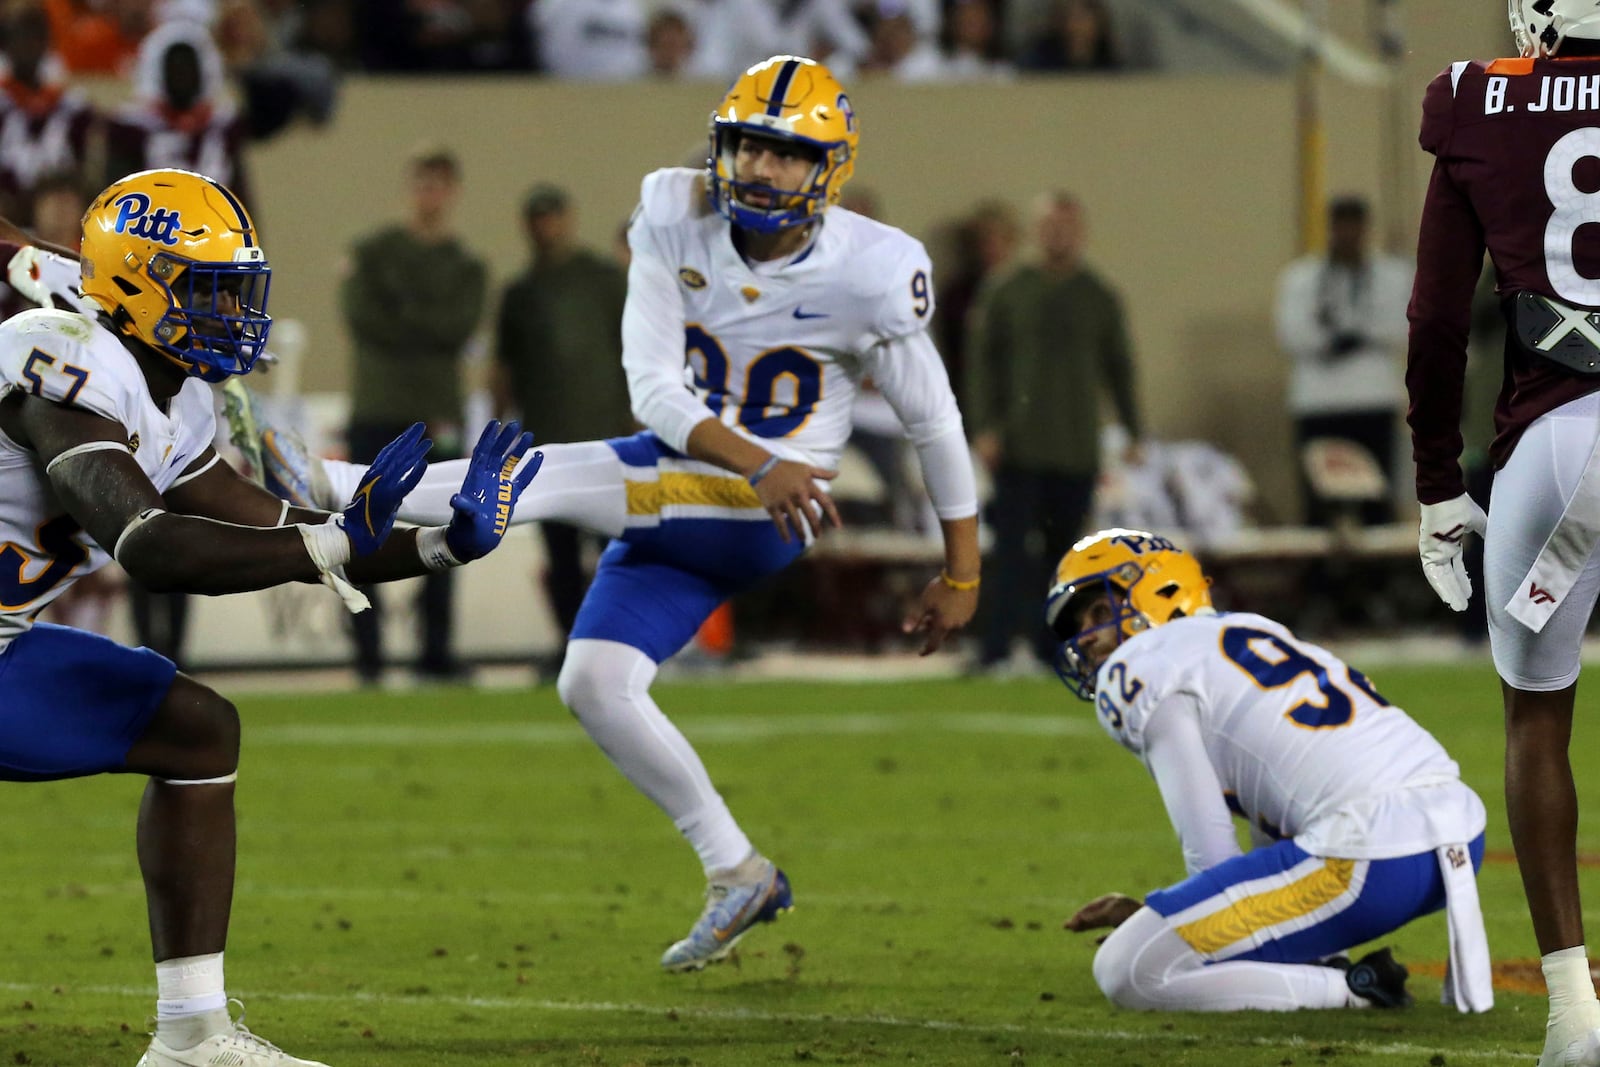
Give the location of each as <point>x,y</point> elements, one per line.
<point>1301,743</point>
<point>777,351</point>
<point>69,358</point>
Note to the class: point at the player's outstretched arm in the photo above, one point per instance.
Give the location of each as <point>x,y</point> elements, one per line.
<point>489,483</point>
<point>98,482</point>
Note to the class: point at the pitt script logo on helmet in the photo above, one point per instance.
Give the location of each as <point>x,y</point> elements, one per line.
<point>787,98</point>
<point>1147,581</point>
<point>1540,26</point>
<point>172,257</point>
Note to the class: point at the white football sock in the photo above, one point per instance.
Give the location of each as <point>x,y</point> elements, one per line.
<point>606,684</point>
<point>1145,966</point>
<point>1574,1009</point>
<point>1567,977</point>
<point>580,484</point>
<point>191,1003</point>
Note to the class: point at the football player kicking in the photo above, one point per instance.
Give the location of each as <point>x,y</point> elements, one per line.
<point>780,304</point>
<point>1360,820</point>
<point>1516,146</point>
<point>106,453</point>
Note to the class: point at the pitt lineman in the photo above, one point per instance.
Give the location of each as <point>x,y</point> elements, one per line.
<point>106,453</point>
<point>755,309</point>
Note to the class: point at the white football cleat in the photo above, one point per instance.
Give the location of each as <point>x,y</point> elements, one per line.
<point>754,892</point>
<point>277,458</point>
<point>234,1047</point>
<point>1564,1051</point>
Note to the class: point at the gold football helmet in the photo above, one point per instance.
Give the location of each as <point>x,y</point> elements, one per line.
<point>793,99</point>
<point>1147,579</point>
<point>173,259</point>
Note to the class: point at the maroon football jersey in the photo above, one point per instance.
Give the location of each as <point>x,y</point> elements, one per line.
<point>1517,171</point>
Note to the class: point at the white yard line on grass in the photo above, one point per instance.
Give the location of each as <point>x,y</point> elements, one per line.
<point>732,728</point>
<point>601,1007</point>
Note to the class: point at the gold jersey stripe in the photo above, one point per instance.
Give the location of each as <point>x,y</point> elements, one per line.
<point>680,487</point>
<point>1262,911</point>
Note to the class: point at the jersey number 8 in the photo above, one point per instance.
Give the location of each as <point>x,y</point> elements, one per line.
<point>1574,209</point>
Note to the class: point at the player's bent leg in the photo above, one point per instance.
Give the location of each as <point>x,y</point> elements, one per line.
<point>1146,966</point>
<point>190,750</point>
<point>606,685</point>
<point>186,842</point>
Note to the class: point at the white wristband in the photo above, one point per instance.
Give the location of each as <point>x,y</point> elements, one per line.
<point>330,550</point>
<point>435,550</point>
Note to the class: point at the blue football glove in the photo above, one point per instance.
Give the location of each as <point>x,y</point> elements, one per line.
<point>490,490</point>
<point>369,516</point>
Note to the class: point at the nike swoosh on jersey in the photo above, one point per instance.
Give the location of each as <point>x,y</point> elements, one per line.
<point>799,314</point>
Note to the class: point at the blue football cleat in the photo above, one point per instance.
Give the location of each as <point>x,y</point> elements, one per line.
<point>277,457</point>
<point>754,892</point>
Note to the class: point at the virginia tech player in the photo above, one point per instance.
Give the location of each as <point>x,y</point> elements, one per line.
<point>1517,172</point>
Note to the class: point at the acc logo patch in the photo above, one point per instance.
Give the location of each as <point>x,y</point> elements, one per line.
<point>135,218</point>
<point>133,442</point>
<point>691,277</point>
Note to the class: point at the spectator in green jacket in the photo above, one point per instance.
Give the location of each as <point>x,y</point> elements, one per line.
<point>1045,340</point>
<point>412,300</point>
<point>558,360</point>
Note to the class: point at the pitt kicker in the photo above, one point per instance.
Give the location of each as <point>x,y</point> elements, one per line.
<point>502,510</point>
<point>1554,92</point>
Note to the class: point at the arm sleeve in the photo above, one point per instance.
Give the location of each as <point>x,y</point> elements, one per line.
<point>912,378</point>
<point>652,344</point>
<point>1175,752</point>
<point>1449,257</point>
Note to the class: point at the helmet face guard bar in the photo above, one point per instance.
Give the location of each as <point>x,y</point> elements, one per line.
<point>218,320</point>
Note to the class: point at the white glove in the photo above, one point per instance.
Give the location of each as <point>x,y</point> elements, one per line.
<point>25,277</point>
<point>1445,527</point>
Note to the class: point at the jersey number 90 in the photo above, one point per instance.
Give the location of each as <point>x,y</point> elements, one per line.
<point>782,386</point>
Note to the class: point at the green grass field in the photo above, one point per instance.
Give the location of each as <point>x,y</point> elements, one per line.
<point>459,877</point>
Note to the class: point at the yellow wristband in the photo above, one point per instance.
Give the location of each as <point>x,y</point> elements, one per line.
<point>960,587</point>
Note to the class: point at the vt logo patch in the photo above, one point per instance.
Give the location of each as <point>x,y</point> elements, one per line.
<point>135,218</point>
